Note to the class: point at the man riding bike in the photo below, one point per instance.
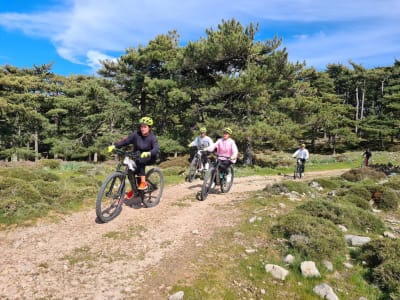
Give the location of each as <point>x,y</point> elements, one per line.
<point>202,141</point>
<point>144,141</point>
<point>302,154</point>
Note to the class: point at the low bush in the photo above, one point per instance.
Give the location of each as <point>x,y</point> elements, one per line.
<point>384,197</point>
<point>50,163</point>
<point>387,277</point>
<point>355,199</point>
<point>332,183</point>
<point>353,217</point>
<point>288,186</point>
<point>377,251</point>
<point>363,173</point>
<point>321,239</point>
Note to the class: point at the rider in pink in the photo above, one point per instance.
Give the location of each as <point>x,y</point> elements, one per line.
<point>226,146</point>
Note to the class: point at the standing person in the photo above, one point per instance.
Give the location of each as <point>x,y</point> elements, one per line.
<point>227,150</point>
<point>146,143</point>
<point>367,155</point>
<point>302,154</point>
<point>202,142</point>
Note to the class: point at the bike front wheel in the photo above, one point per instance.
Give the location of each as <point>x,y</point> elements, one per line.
<point>155,187</point>
<point>193,168</point>
<point>209,180</point>
<point>227,181</point>
<point>110,197</point>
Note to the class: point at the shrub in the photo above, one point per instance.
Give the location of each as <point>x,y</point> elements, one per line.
<point>384,197</point>
<point>387,277</point>
<point>362,173</point>
<point>338,213</point>
<point>50,163</point>
<point>376,252</point>
<point>332,183</point>
<point>288,186</point>
<point>322,239</point>
<point>358,201</point>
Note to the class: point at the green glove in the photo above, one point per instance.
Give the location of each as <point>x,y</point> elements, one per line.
<point>110,148</point>
<point>145,154</point>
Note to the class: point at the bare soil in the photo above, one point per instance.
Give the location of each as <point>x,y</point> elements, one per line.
<point>139,255</point>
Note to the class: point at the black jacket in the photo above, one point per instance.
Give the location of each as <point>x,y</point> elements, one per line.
<point>141,143</point>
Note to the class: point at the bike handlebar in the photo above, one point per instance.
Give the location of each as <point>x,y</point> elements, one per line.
<point>131,154</point>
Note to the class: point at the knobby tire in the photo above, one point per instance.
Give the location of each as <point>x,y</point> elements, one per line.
<point>110,197</point>
<point>155,187</point>
<point>209,178</point>
<point>226,186</point>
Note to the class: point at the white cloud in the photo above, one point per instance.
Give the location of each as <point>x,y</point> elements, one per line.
<point>82,31</point>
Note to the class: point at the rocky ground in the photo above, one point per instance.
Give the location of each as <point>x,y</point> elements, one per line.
<point>75,257</point>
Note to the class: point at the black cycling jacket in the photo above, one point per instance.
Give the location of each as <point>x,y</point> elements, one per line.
<point>148,143</point>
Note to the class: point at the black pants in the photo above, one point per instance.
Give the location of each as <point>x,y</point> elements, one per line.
<point>141,164</point>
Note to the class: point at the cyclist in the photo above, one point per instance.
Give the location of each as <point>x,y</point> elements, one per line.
<point>302,154</point>
<point>146,143</point>
<point>202,141</point>
<point>226,147</point>
<point>367,155</point>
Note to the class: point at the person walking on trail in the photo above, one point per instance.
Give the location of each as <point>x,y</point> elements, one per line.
<point>202,142</point>
<point>145,142</point>
<point>302,154</point>
<point>227,151</point>
<point>367,154</point>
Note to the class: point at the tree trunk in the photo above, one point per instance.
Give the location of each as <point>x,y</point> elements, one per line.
<point>95,157</point>
<point>248,157</point>
<point>357,107</point>
<point>36,141</point>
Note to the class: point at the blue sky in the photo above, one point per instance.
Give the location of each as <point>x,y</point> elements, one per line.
<point>75,34</point>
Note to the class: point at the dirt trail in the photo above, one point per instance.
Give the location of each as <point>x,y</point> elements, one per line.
<point>78,258</point>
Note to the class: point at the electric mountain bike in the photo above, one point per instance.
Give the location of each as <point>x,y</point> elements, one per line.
<point>217,176</point>
<point>111,195</point>
<point>298,169</point>
<point>196,166</point>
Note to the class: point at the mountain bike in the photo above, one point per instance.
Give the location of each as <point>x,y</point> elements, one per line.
<point>217,176</point>
<point>196,166</point>
<point>298,169</point>
<point>111,195</point>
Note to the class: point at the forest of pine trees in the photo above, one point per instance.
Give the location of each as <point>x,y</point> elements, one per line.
<point>224,79</point>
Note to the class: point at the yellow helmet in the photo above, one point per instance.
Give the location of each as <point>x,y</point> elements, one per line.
<point>203,129</point>
<point>146,121</point>
<point>227,130</point>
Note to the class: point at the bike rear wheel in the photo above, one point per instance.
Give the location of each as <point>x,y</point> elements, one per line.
<point>226,183</point>
<point>208,181</point>
<point>110,197</point>
<point>155,187</point>
<point>194,165</point>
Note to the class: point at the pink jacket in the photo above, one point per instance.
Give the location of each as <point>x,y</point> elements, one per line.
<point>225,148</point>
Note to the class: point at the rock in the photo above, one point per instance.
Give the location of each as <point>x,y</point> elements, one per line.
<point>289,259</point>
<point>325,291</point>
<point>177,296</point>
<point>308,269</point>
<point>328,265</point>
<point>276,271</point>
<point>355,240</point>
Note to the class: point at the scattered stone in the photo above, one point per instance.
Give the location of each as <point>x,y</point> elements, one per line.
<point>348,265</point>
<point>289,259</point>
<point>355,240</point>
<point>388,234</point>
<point>309,269</point>
<point>252,219</point>
<point>342,228</point>
<point>249,251</point>
<point>177,296</point>
<point>328,265</point>
<point>332,193</point>
<point>282,205</point>
<point>276,271</point>
<point>195,231</point>
<point>325,291</point>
